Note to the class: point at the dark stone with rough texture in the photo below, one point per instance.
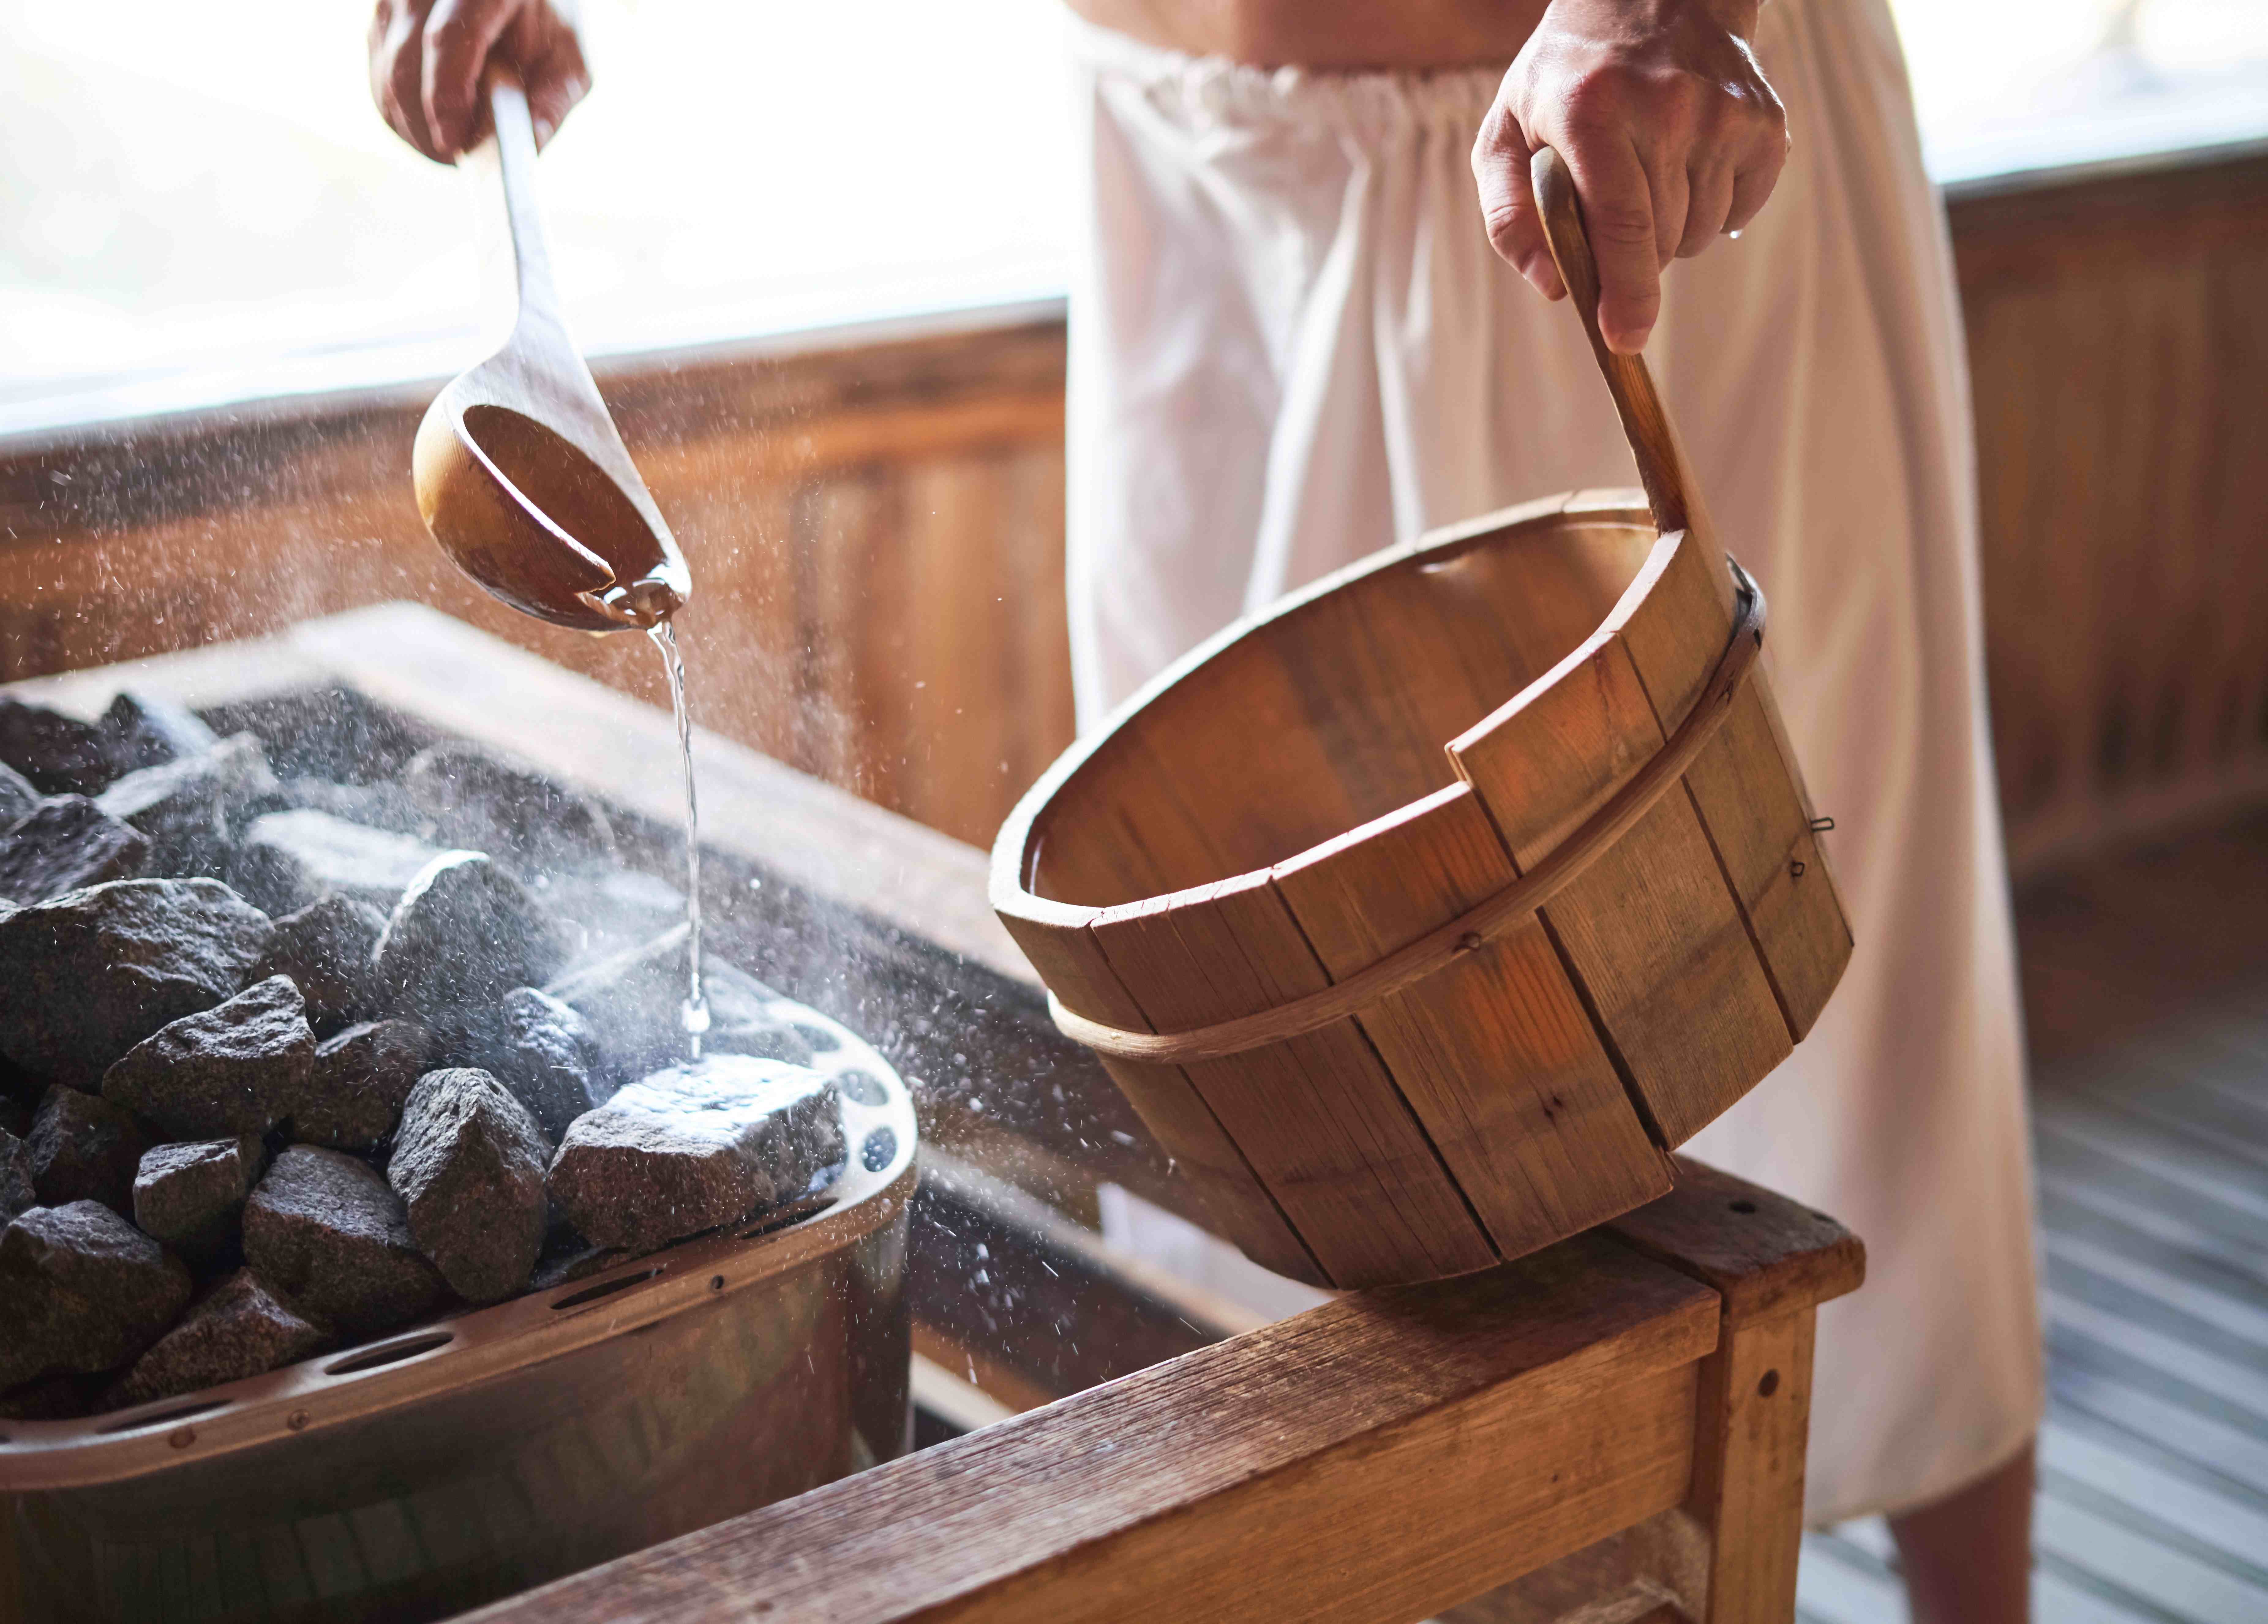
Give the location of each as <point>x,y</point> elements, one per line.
<point>693,1147</point>
<point>326,1231</point>
<point>16,1189</point>
<point>81,1290</point>
<point>325,948</point>
<point>83,1150</point>
<point>64,845</point>
<point>468,1161</point>
<point>633,1002</point>
<point>17,797</point>
<point>91,973</point>
<point>464,934</point>
<point>238,1068</point>
<point>60,755</point>
<point>360,1080</point>
<point>386,807</point>
<point>190,1196</point>
<point>185,807</point>
<point>484,804</point>
<point>241,1329</point>
<point>298,857</point>
<point>327,732</point>
<point>540,1050</point>
<point>147,730</point>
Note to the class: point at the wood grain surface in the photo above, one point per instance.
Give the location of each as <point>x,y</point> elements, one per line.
<point>1650,929</point>
<point>1495,1053</point>
<point>1519,1414</point>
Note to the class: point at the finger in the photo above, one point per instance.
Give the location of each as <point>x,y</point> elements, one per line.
<point>1753,182</point>
<point>557,81</point>
<point>1669,185</point>
<point>457,37</point>
<point>397,73</point>
<point>1710,202</point>
<point>1515,229</point>
<point>1618,218</point>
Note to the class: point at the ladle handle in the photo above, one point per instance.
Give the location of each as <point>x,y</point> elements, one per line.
<point>515,156</point>
<point>1661,465</point>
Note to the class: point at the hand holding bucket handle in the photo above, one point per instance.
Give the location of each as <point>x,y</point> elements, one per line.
<point>1661,465</point>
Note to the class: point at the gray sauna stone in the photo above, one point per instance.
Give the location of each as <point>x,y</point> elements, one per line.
<point>328,1232</point>
<point>92,972</point>
<point>240,1329</point>
<point>468,1163</point>
<point>65,844</point>
<point>82,1291</point>
<point>325,948</point>
<point>693,1147</point>
<point>238,1068</point>
<point>360,1079</point>
<point>84,1148</point>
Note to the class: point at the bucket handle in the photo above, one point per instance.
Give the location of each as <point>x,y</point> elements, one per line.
<point>1661,465</point>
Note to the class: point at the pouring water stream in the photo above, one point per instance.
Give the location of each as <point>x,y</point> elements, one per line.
<point>695,1011</point>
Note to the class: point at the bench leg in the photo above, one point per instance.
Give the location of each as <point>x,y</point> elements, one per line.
<point>1748,1467</point>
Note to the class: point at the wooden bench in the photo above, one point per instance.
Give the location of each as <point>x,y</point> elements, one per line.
<point>1613,1428</point>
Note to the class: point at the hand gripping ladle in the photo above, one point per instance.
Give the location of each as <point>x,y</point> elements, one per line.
<point>521,475</point>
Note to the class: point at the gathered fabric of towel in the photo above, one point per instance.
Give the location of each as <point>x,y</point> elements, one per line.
<point>1292,345</point>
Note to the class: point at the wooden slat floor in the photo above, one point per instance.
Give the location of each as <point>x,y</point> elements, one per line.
<point>2146,982</point>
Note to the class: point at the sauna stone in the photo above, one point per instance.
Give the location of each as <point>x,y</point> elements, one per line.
<point>326,1231</point>
<point>17,797</point>
<point>184,806</point>
<point>463,936</point>
<point>632,999</point>
<point>190,1196</point>
<point>468,1163</point>
<point>386,807</point>
<point>84,1148</point>
<point>297,857</point>
<point>241,1329</point>
<point>478,801</point>
<point>540,1049</point>
<point>60,755</point>
<point>693,1147</point>
<point>81,1290</point>
<point>238,1068</point>
<point>148,731</point>
<point>325,948</point>
<point>17,1190</point>
<point>93,972</point>
<point>360,1079</point>
<point>65,844</point>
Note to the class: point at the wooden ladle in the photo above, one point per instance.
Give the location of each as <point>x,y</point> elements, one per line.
<point>521,475</point>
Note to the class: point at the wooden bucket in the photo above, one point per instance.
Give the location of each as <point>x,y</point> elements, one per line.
<point>1400,1011</point>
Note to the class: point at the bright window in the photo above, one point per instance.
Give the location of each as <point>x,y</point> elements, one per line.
<point>198,205</point>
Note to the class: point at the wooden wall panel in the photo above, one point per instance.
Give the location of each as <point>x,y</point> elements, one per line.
<point>875,525</point>
<point>2118,343</point>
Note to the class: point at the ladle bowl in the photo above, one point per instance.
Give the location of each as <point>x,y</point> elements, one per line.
<point>522,476</point>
